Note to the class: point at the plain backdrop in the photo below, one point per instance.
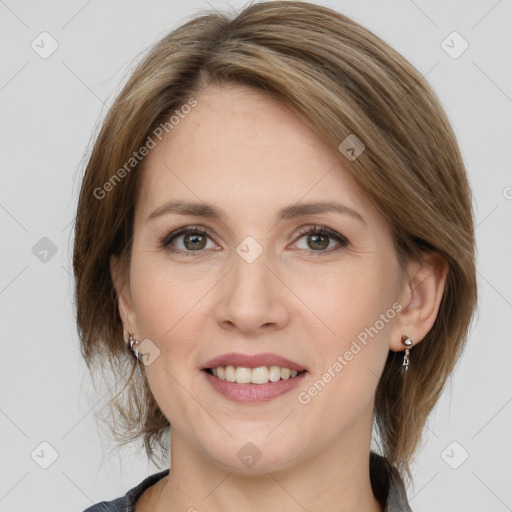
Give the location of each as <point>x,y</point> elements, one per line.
<point>50,106</point>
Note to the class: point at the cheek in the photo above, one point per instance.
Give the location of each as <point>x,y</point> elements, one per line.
<point>161,296</point>
<point>357,313</point>
<point>167,308</point>
<point>347,301</point>
<point>165,315</point>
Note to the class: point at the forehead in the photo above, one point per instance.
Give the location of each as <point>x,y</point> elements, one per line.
<point>248,153</point>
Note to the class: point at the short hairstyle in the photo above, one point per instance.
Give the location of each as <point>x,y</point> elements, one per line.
<point>342,80</point>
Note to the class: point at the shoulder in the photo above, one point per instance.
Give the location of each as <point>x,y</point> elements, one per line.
<point>126,503</point>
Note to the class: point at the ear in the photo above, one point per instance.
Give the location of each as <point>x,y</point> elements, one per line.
<point>124,299</point>
<point>421,295</point>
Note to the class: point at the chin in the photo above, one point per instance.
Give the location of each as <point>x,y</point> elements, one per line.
<point>255,454</point>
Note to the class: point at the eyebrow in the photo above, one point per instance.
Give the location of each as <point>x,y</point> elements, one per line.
<point>180,207</point>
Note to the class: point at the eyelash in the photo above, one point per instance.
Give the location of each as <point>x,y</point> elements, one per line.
<point>165,241</point>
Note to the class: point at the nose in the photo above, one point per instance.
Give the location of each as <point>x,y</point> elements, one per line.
<point>252,298</point>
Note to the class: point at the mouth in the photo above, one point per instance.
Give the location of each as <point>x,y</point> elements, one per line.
<point>258,375</point>
<point>245,385</point>
<point>255,368</point>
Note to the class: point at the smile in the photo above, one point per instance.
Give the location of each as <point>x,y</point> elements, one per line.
<point>250,392</point>
<point>259,375</point>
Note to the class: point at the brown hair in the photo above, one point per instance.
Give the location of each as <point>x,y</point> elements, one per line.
<point>341,79</point>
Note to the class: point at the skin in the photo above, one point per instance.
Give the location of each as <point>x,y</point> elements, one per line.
<point>250,155</point>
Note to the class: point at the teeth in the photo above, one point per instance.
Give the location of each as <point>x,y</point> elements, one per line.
<point>243,375</point>
<point>230,373</point>
<point>274,373</point>
<point>259,375</point>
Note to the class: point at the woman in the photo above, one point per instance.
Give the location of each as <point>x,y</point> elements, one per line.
<point>276,220</point>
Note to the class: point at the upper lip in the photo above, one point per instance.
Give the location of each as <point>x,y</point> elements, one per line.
<point>252,361</point>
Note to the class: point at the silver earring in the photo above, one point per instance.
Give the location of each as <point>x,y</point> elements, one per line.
<point>407,341</point>
<point>133,342</point>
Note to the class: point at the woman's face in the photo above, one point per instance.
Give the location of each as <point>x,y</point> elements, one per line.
<point>257,282</point>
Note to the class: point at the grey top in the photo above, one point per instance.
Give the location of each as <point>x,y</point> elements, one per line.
<point>387,486</point>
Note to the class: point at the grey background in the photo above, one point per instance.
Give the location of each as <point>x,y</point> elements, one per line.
<point>50,107</point>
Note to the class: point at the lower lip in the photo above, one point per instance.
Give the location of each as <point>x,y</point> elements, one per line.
<point>253,393</point>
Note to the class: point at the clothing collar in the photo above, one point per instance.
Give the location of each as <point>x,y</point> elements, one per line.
<point>387,485</point>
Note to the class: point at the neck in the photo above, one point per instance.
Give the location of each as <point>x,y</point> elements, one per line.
<point>337,480</point>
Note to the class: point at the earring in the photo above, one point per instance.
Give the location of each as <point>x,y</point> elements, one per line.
<point>408,343</point>
<point>133,342</point>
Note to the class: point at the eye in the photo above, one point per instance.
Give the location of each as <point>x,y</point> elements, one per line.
<point>194,239</point>
<point>318,239</point>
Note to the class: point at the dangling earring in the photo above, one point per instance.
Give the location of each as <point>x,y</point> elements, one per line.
<point>133,342</point>
<point>408,343</point>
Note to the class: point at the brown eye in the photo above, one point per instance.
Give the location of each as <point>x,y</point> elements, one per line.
<point>318,239</point>
<point>194,241</point>
<point>187,240</point>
